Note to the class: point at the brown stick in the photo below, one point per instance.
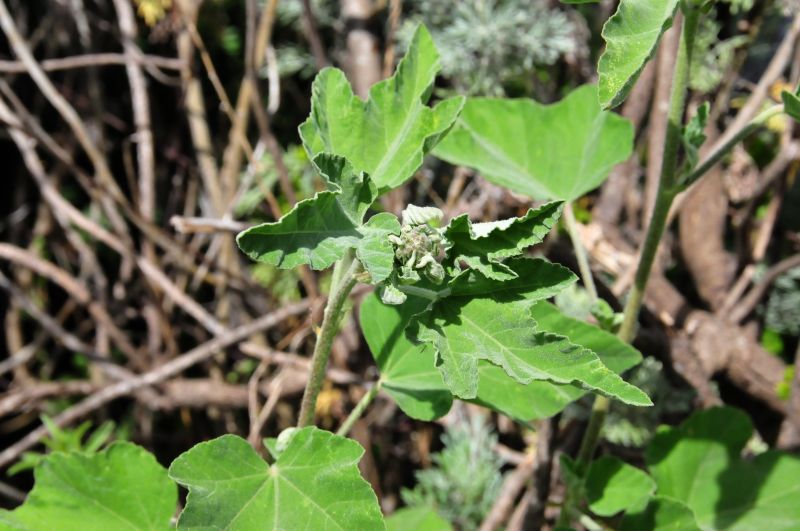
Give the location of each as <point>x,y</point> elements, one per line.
<point>92,60</point>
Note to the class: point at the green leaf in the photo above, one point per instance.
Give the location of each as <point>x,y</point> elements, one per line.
<point>699,464</point>
<point>418,519</point>
<point>407,370</point>
<point>632,35</point>
<point>388,135</point>
<point>314,484</point>
<point>375,251</point>
<point>661,514</point>
<point>482,245</point>
<point>317,232</point>
<point>613,486</point>
<point>694,135</point>
<point>534,279</point>
<point>791,104</point>
<point>559,151</point>
<point>122,487</point>
<point>496,326</point>
<point>356,190</point>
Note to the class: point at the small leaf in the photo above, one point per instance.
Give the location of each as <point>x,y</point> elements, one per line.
<point>357,191</point>
<point>694,135</point>
<point>482,245</point>
<point>388,135</point>
<point>791,104</point>
<point>613,486</point>
<point>560,151</point>
<point>317,232</point>
<point>122,487</point>
<point>661,514</point>
<point>314,484</point>
<point>632,35</point>
<point>533,279</point>
<point>699,464</point>
<point>375,251</point>
<point>418,519</point>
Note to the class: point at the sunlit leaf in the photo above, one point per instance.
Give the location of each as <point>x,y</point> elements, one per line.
<point>559,151</point>
<point>388,135</point>
<point>418,519</point>
<point>374,250</point>
<point>613,486</point>
<point>632,35</point>
<point>313,484</point>
<point>122,487</point>
<point>699,463</point>
<point>660,514</point>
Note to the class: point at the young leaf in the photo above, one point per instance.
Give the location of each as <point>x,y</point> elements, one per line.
<point>418,519</point>
<point>613,486</point>
<point>699,464</point>
<point>356,190</point>
<point>374,250</point>
<point>559,151</point>
<point>388,135</point>
<point>661,514</point>
<point>632,35</point>
<point>407,370</point>
<point>317,232</point>
<point>791,103</point>
<point>482,245</point>
<point>314,484</point>
<point>122,487</point>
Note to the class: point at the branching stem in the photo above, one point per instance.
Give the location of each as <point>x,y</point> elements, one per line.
<point>362,405</point>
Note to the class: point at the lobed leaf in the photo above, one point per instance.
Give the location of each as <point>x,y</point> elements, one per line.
<point>122,487</point>
<point>632,35</point>
<point>699,464</point>
<point>482,245</point>
<point>559,151</point>
<point>388,135</point>
<point>314,484</point>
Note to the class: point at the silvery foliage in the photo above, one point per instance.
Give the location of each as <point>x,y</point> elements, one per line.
<point>486,43</point>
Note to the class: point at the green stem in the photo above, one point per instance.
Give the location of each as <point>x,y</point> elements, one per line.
<point>424,293</point>
<point>580,252</point>
<point>340,291</point>
<point>362,405</point>
<point>710,161</point>
<point>667,189</point>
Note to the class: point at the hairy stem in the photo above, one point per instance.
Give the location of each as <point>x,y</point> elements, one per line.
<point>340,291</point>
<point>580,252</point>
<point>667,189</point>
<point>424,293</point>
<point>362,406</point>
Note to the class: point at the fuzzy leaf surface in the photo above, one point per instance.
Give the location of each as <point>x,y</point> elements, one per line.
<point>122,487</point>
<point>631,35</point>
<point>388,135</point>
<point>482,245</point>
<point>314,484</point>
<point>374,250</point>
<point>699,463</point>
<point>613,486</point>
<point>559,151</point>
<point>491,321</point>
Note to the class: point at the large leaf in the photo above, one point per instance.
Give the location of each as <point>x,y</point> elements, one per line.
<point>699,464</point>
<point>410,376</point>
<point>407,370</point>
<point>314,484</point>
<point>482,245</point>
<point>661,514</point>
<point>632,35</point>
<point>388,135</point>
<point>490,320</point>
<point>559,151</point>
<point>122,487</point>
<point>613,486</point>
<point>418,519</point>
